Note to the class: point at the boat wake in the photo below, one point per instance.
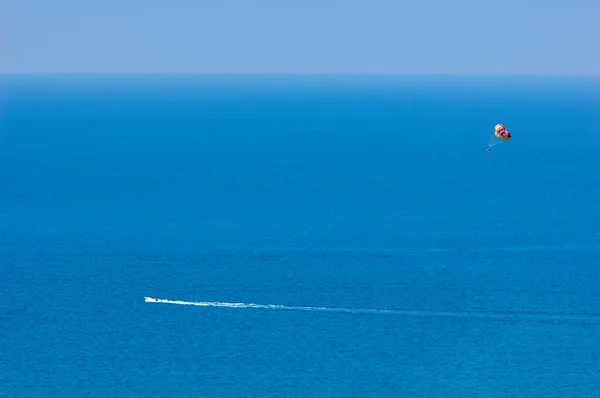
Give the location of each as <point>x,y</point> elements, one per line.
<point>560,318</point>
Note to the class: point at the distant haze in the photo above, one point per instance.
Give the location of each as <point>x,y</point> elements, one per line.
<point>309,36</point>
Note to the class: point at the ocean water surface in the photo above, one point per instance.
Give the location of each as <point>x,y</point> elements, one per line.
<point>327,236</point>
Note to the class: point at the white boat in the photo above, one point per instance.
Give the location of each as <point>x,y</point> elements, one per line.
<point>152,300</point>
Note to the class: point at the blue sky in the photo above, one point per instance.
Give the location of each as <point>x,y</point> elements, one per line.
<point>308,36</point>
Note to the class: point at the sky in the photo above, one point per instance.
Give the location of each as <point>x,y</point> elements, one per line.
<point>302,36</point>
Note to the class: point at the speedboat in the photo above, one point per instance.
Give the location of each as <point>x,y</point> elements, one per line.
<point>151,299</point>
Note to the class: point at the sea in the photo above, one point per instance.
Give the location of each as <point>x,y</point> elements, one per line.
<point>304,236</point>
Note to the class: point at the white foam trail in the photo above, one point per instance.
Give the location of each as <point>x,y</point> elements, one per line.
<point>428,314</point>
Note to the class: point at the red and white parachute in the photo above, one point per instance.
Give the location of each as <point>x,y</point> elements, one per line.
<point>501,132</point>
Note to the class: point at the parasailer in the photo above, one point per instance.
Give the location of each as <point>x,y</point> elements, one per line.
<point>500,135</point>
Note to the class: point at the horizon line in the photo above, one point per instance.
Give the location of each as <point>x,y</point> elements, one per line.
<point>296,74</point>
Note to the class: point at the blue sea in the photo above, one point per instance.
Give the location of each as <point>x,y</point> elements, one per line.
<point>308,236</point>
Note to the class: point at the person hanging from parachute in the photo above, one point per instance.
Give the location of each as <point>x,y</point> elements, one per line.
<point>501,133</point>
